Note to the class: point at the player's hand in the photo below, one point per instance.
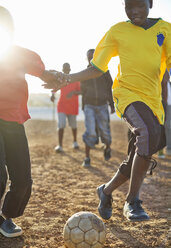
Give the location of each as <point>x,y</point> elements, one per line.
<point>52,98</point>
<point>55,80</point>
<point>48,75</point>
<point>53,85</point>
<point>63,78</point>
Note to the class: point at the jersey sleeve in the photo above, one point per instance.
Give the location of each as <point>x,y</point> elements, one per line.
<point>105,50</point>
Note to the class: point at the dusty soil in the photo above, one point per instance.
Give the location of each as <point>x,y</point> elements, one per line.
<point>63,187</point>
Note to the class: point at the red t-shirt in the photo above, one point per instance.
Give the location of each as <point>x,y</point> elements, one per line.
<point>13,86</point>
<point>68,106</point>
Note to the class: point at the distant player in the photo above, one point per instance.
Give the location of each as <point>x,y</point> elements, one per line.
<point>96,97</point>
<point>143,46</point>
<point>67,108</point>
<point>14,152</point>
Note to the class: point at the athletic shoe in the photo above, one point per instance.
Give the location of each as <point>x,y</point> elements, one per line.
<point>86,162</point>
<point>75,145</point>
<point>107,154</point>
<point>9,229</point>
<point>134,212</point>
<point>105,205</point>
<point>58,149</point>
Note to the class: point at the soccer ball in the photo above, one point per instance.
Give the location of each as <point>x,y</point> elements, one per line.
<point>84,230</point>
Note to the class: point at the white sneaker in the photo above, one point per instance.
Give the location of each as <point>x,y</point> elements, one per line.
<point>75,145</point>
<point>58,149</point>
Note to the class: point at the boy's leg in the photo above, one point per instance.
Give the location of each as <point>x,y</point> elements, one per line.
<point>60,135</point>
<point>115,182</point>
<point>145,125</point>
<point>124,171</point>
<point>74,133</point>
<point>121,176</point>
<point>97,134</point>
<point>138,172</point>
<point>89,137</point>
<point>130,134</point>
<point>75,143</point>
<point>19,169</point>
<point>87,151</point>
<point>103,122</point>
<point>61,126</point>
<point>132,208</point>
<point>3,172</point>
<point>86,162</point>
<point>73,124</point>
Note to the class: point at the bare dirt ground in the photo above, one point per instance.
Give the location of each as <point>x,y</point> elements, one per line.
<point>63,187</point>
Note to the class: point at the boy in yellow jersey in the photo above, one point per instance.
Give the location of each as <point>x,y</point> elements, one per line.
<point>144,48</point>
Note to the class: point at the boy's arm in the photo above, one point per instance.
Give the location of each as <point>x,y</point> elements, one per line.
<point>109,92</point>
<point>50,77</point>
<point>164,87</point>
<point>59,79</point>
<point>52,98</point>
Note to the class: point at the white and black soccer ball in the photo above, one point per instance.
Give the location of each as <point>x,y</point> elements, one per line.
<point>84,230</point>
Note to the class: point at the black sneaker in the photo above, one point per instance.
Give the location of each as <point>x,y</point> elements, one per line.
<point>9,229</point>
<point>134,212</point>
<point>105,205</point>
<point>107,154</point>
<point>86,162</point>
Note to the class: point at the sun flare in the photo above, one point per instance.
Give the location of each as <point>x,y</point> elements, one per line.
<point>5,42</point>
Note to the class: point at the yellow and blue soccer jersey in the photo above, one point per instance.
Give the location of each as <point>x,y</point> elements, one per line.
<point>144,55</point>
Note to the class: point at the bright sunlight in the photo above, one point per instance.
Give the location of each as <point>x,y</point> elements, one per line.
<point>5,42</point>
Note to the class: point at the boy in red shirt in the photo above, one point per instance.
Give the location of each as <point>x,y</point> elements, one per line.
<point>14,151</point>
<point>67,107</point>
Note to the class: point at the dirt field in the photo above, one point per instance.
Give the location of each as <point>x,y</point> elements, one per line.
<point>63,187</point>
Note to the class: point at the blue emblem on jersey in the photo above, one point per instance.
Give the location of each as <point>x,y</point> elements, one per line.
<point>160,39</point>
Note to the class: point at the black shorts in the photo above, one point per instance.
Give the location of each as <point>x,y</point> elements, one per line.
<point>150,136</point>
<point>141,121</point>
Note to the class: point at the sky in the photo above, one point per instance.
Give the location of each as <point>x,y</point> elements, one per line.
<point>63,30</point>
